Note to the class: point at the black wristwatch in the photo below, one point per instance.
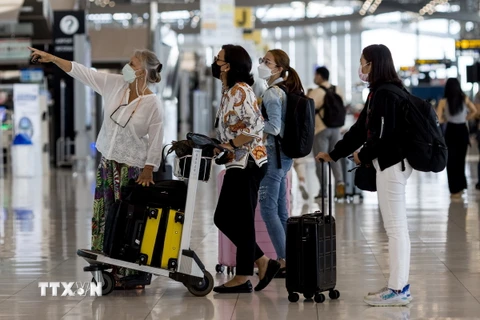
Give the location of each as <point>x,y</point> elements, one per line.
<point>232,144</point>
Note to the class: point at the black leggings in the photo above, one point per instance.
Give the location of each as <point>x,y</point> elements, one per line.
<point>457,140</point>
<point>235,214</point>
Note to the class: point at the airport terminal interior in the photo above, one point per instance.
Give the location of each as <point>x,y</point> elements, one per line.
<point>49,125</point>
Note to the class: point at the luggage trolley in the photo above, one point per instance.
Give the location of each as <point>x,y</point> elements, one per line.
<point>189,270</point>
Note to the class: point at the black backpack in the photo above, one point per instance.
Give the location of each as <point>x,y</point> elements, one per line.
<point>424,145</point>
<point>297,140</point>
<point>334,111</point>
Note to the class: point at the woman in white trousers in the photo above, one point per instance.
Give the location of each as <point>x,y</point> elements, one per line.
<point>379,131</point>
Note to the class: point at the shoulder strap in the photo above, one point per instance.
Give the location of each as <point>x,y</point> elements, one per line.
<point>283,87</point>
<point>331,89</point>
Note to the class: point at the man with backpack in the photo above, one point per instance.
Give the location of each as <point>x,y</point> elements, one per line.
<point>329,119</point>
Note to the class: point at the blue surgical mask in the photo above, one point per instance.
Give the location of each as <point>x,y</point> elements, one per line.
<point>128,73</point>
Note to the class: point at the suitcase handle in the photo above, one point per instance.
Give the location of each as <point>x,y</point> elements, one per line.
<point>138,233</point>
<point>328,191</point>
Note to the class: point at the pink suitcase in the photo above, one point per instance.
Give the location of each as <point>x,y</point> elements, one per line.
<point>227,250</point>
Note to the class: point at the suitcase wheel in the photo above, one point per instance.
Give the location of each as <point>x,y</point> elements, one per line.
<point>219,268</point>
<point>334,294</point>
<point>293,297</point>
<point>203,287</point>
<point>319,298</point>
<point>108,282</point>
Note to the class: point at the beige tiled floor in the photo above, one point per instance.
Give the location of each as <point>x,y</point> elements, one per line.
<point>46,220</point>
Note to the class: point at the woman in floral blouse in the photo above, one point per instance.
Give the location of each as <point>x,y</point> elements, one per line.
<point>239,126</point>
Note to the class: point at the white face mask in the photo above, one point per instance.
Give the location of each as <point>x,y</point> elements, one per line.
<point>128,73</point>
<point>361,75</point>
<point>264,72</point>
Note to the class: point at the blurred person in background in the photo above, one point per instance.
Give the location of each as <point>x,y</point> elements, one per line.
<point>457,109</point>
<point>325,137</point>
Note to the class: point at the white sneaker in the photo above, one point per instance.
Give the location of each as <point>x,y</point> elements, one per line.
<point>387,298</point>
<point>302,186</point>
<point>405,290</point>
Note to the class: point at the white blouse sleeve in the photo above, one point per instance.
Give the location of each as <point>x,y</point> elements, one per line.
<point>155,137</point>
<point>99,81</point>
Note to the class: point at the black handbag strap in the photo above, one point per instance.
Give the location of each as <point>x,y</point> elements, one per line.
<point>163,162</point>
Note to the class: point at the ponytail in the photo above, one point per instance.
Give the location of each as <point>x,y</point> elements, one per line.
<point>292,80</point>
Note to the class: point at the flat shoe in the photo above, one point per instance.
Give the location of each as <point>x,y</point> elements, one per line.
<point>281,274</point>
<point>272,269</point>
<point>242,288</point>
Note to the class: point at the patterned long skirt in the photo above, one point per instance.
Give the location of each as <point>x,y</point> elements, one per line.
<point>111,176</point>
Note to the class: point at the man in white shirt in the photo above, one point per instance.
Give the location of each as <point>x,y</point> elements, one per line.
<point>325,137</point>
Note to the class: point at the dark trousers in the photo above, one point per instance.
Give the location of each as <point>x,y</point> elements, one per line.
<point>457,140</point>
<point>235,214</point>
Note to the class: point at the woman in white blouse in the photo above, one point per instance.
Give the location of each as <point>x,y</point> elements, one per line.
<point>131,136</point>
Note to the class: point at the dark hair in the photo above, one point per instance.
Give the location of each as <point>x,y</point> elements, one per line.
<point>454,95</point>
<point>240,65</point>
<point>323,72</point>
<point>292,80</point>
<point>381,64</point>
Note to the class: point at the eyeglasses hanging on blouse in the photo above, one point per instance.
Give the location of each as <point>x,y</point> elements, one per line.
<point>124,105</point>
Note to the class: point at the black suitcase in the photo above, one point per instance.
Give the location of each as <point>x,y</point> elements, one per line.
<point>124,228</point>
<point>311,253</point>
<point>170,193</point>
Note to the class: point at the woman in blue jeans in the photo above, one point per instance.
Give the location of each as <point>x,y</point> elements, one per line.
<point>275,69</point>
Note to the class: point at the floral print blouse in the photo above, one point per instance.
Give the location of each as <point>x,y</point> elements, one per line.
<point>239,114</point>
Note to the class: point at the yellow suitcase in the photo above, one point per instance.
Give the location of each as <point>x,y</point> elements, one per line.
<point>161,238</point>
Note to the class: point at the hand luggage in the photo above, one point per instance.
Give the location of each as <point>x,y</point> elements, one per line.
<point>124,227</point>
<point>161,239</point>
<point>227,250</point>
<point>311,253</point>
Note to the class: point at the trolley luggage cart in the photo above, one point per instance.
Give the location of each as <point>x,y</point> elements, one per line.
<point>189,270</point>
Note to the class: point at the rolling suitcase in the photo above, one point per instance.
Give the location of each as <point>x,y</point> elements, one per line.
<point>160,244</point>
<point>311,253</point>
<point>124,227</point>
<point>227,250</point>
<point>127,219</point>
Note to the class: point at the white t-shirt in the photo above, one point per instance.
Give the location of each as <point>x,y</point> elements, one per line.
<point>140,142</point>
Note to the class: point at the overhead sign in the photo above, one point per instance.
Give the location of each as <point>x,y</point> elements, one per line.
<point>244,17</point>
<point>467,44</point>
<point>66,25</point>
<point>217,24</point>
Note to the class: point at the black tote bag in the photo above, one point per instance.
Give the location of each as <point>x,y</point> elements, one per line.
<point>365,177</point>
